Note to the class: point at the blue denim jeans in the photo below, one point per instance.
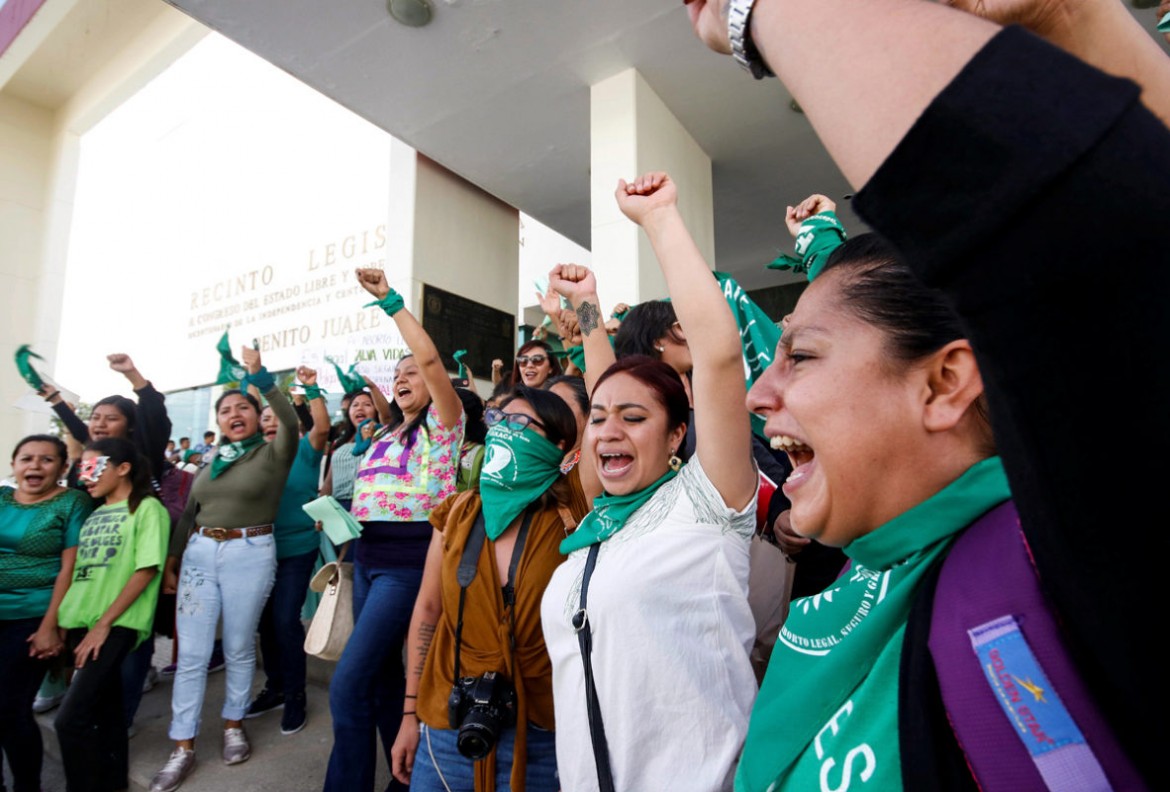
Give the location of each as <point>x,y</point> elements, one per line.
<point>438,760</point>
<point>232,578</point>
<point>366,692</point>
<point>282,635</point>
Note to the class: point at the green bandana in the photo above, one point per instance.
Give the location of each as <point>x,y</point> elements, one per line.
<point>517,469</point>
<point>392,303</point>
<point>1164,25</point>
<point>229,453</point>
<point>819,236</point>
<point>758,335</point>
<point>844,645</point>
<point>230,369</point>
<point>27,372</point>
<point>459,355</point>
<point>610,514</point>
<point>351,382</point>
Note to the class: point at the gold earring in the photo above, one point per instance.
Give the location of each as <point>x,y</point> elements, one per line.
<point>674,461</point>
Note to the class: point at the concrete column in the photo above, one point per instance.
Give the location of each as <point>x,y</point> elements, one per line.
<point>632,132</point>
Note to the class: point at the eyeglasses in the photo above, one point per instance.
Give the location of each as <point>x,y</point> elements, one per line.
<point>535,360</point>
<point>516,422</point>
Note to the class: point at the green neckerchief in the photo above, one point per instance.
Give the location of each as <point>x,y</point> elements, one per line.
<point>830,642</point>
<point>392,303</point>
<point>230,369</point>
<point>229,453</point>
<point>819,236</point>
<point>517,469</point>
<point>610,514</point>
<point>27,372</point>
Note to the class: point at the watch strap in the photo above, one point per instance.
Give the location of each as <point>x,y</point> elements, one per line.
<point>743,49</point>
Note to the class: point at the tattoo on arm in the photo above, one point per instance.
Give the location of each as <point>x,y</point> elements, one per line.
<point>588,317</point>
<point>425,633</point>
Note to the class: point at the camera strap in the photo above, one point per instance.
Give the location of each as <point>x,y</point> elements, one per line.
<point>593,706</point>
<point>469,566</point>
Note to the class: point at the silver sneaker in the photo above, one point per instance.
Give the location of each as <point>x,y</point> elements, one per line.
<point>178,767</point>
<point>236,747</point>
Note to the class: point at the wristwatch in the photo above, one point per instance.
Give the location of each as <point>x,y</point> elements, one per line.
<point>739,18</point>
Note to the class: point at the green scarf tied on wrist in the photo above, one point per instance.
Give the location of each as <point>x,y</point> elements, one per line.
<point>819,236</point>
<point>610,514</point>
<point>392,303</point>
<point>459,355</point>
<point>313,392</point>
<point>518,468</point>
<point>27,372</point>
<point>262,380</point>
<point>227,454</point>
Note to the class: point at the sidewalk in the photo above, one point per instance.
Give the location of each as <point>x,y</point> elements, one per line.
<point>288,764</point>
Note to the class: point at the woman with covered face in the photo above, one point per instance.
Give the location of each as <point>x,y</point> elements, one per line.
<point>408,468</point>
<point>40,523</point>
<point>656,575</point>
<point>228,550</point>
<point>510,528</point>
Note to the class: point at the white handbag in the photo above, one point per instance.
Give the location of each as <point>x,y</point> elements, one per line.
<point>333,622</point>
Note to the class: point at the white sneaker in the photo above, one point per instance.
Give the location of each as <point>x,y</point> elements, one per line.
<point>178,767</point>
<point>236,747</point>
<point>151,680</point>
<point>42,704</point>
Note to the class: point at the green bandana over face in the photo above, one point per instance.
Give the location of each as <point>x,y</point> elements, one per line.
<point>610,514</point>
<point>844,646</point>
<point>229,453</point>
<point>517,469</point>
<point>819,236</point>
<point>27,372</point>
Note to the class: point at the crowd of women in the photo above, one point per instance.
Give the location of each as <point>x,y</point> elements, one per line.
<point>551,589</point>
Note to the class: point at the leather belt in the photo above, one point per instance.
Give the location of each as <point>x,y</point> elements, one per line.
<point>224,534</point>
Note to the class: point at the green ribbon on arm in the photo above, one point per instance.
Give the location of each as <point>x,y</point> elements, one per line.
<point>392,303</point>
<point>227,454</point>
<point>459,355</point>
<point>27,372</point>
<point>610,514</point>
<point>230,369</point>
<point>350,382</point>
<point>819,236</point>
<point>758,335</point>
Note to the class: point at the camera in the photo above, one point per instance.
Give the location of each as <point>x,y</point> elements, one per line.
<point>480,708</point>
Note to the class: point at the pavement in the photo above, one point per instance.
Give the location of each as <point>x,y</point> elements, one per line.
<point>288,764</point>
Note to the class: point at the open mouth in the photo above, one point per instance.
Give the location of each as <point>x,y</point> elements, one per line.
<point>402,393</point>
<point>34,481</point>
<point>237,426</point>
<point>799,454</point>
<point>616,464</point>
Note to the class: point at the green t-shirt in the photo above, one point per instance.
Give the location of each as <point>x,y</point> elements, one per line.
<point>114,545</point>
<point>32,538</point>
<point>296,532</point>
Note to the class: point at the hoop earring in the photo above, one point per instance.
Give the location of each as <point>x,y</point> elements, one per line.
<point>674,461</point>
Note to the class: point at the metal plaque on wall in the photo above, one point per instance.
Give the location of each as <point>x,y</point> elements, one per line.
<point>455,322</point>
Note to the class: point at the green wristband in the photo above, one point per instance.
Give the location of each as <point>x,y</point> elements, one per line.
<point>392,303</point>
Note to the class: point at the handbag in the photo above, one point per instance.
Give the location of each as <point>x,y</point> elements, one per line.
<point>333,622</point>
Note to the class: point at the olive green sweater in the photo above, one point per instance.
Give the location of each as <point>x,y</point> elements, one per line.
<point>248,492</point>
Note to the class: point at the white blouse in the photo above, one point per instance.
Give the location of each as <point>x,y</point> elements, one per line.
<point>672,633</point>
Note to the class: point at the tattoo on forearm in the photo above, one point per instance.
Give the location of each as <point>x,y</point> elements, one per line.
<point>425,633</point>
<point>588,316</point>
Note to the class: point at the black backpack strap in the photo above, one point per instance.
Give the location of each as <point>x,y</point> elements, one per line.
<point>468,566</point>
<point>585,639</point>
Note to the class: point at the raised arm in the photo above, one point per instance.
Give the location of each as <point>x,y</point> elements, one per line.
<point>430,365</point>
<point>319,434</point>
<point>154,425</point>
<point>381,404</point>
<point>722,427</point>
<point>74,425</point>
<point>288,431</point>
<point>576,283</point>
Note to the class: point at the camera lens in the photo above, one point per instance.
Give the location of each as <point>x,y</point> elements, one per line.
<point>475,742</point>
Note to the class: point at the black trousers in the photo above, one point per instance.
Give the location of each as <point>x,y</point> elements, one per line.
<point>91,724</point>
<point>20,676</point>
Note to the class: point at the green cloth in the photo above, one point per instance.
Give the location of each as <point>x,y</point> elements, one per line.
<point>831,690</point>
<point>392,303</point>
<point>609,515</point>
<point>576,355</point>
<point>518,467</point>
<point>350,382</point>
<point>229,454</point>
<point>459,355</point>
<point>758,335</point>
<point>114,545</point>
<point>27,372</point>
<point>313,392</point>
<point>230,369</point>
<point>819,236</point>
<point>1164,25</point>
<point>296,531</point>
<point>32,538</point>
<point>470,464</point>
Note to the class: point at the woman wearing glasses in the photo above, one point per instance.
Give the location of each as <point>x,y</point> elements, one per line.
<point>409,468</point>
<point>534,365</point>
<point>488,637</point>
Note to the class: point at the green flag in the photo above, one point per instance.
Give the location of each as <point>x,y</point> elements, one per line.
<point>350,382</point>
<point>27,372</point>
<point>230,369</point>
<point>758,335</point>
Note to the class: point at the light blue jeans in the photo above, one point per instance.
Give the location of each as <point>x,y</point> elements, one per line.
<point>438,765</point>
<point>232,578</point>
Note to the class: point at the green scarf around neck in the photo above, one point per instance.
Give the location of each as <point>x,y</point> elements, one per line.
<point>518,467</point>
<point>610,514</point>
<point>229,453</point>
<point>834,670</point>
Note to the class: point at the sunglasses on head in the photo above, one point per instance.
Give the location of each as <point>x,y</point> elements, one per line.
<point>535,360</point>
<point>516,422</point>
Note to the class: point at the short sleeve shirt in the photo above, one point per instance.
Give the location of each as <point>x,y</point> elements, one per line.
<point>32,538</point>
